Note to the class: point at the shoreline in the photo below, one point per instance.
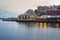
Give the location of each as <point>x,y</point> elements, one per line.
<point>25,20</point>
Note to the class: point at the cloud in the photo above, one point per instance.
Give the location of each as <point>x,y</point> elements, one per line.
<point>22,5</point>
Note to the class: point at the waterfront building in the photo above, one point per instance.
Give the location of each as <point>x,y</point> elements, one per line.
<point>46,8</point>
<point>29,15</point>
<point>29,11</point>
<point>53,7</point>
<point>40,11</point>
<point>53,12</point>
<point>58,7</point>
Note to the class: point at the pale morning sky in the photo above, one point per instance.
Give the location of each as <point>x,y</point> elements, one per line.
<point>22,5</point>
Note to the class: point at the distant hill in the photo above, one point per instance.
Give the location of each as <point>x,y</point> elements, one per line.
<point>6,14</point>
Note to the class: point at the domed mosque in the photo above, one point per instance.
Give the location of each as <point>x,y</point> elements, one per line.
<point>28,15</point>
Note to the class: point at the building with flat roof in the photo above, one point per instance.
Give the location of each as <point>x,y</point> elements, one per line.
<point>53,12</point>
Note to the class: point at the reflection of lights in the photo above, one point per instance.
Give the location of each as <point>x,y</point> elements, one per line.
<point>41,24</point>
<point>48,25</point>
<point>45,25</point>
<point>57,25</point>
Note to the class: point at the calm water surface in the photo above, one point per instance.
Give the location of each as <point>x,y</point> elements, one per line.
<point>29,31</point>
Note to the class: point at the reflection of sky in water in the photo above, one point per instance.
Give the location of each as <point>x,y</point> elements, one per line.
<point>28,31</point>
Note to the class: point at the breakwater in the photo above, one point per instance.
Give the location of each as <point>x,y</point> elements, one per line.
<point>29,20</point>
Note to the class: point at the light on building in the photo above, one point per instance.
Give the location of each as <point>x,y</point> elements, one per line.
<point>49,16</point>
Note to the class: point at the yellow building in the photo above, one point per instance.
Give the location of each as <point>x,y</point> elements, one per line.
<point>27,16</point>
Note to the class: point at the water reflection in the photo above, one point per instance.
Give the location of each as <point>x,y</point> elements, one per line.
<point>27,24</point>
<point>29,31</point>
<point>40,24</point>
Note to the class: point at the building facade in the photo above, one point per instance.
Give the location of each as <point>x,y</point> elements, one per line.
<point>53,12</point>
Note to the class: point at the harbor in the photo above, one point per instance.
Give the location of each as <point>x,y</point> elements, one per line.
<point>41,14</point>
<point>29,19</point>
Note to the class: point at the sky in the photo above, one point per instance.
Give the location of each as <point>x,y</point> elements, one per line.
<point>23,5</point>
